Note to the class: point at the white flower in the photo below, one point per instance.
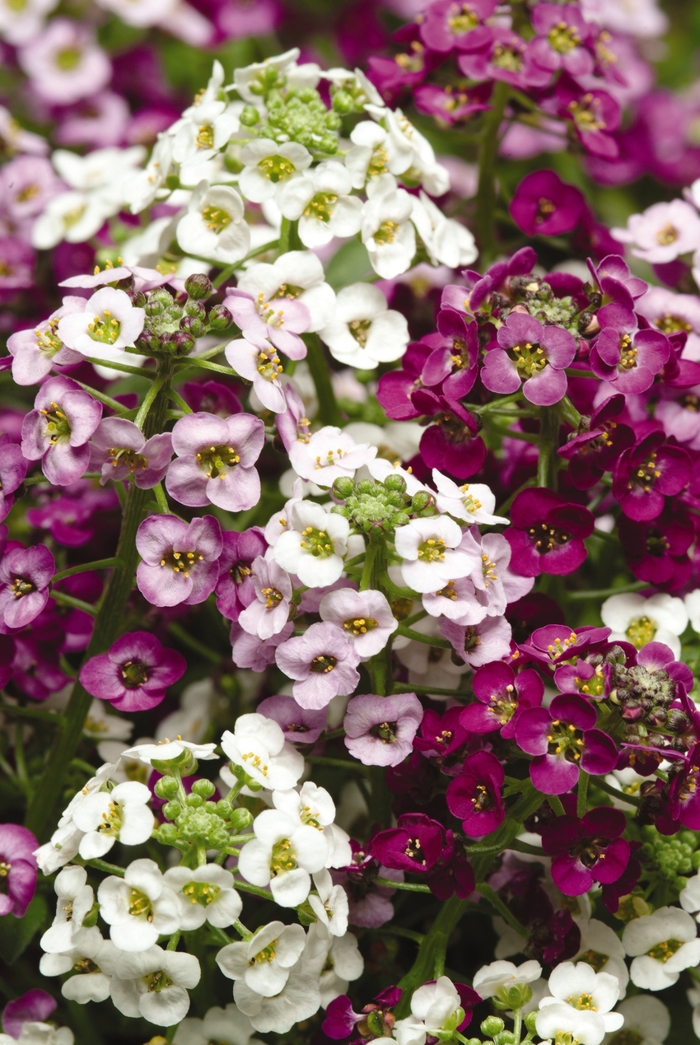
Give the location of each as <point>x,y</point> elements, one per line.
<point>298,1000</point>
<point>561,1022</point>
<point>601,947</point>
<point>205,894</point>
<point>375,153</point>
<point>313,806</point>
<point>433,1009</point>
<point>331,905</point>
<point>363,330</point>
<point>204,129</point>
<point>313,546</point>
<point>109,816</point>
<point>139,906</point>
<point>471,502</point>
<point>662,945</point>
<point>491,979</point>
<point>249,75</point>
<point>662,232</point>
<point>226,1026</point>
<point>429,548</point>
<point>447,241</point>
<point>647,1021</point>
<point>258,745</point>
<point>264,961</point>
<point>268,166</point>
<point>692,605</point>
<point>214,225</point>
<point>75,899</point>
<point>90,982</point>
<point>334,960</point>
<point>140,12</point>
<point>380,467</point>
<point>72,216</point>
<point>102,726</point>
<point>329,455</point>
<point>108,325</point>
<point>154,984</point>
<point>661,618</point>
<point>586,991</point>
<point>423,166</point>
<point>142,187</point>
<point>283,855</point>
<point>321,202</point>
<point>387,232</point>
<point>296,276</point>
<point>364,616</point>
<point>166,750</point>
<point>35,1033</point>
<point>20,23</point>
<point>65,840</point>
<point>255,359</point>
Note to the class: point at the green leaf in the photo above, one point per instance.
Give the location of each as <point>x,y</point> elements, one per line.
<point>348,265</point>
<point>17,933</point>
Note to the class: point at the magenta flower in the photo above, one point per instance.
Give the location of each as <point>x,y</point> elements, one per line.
<point>561,32</point>
<point>648,473</point>
<point>613,278</point>
<point>17,860</point>
<point>211,397</point>
<point>379,731</point>
<point>475,795</point>
<point>35,670</point>
<point>25,575</point>
<point>453,366</point>
<point>215,458</point>
<point>532,354</point>
<point>17,260</point>
<point>416,844</point>
<point>563,738</point>
<point>268,611</point>
<point>546,534</point>
<point>118,449</point>
<point>596,448</point>
<point>134,673</point>
<point>656,551</point>
<point>442,737</point>
<point>544,205</point>
<point>234,588</point>
<point>554,643</point>
<point>281,320</point>
<point>628,358</point>
<point>73,516</point>
<point>588,850</point>
<point>503,55</point>
<point>323,663</point>
<point>447,24</point>
<point>57,430</point>
<point>595,115</point>
<point>451,106</point>
<point>180,561</point>
<point>396,388</point>
<point>13,469</point>
<point>369,903</point>
<point>299,725</point>
<point>502,697</point>
<point>341,1020</point>
<point>453,443</point>
<point>32,1007</point>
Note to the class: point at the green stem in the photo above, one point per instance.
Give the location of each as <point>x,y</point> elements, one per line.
<point>556,804</point>
<point>161,499</point>
<point>431,954</point>
<point>124,368</point>
<point>173,942</point>
<point>604,593</point>
<point>102,865</point>
<point>246,887</point>
<point>517,1025</point>
<point>194,644</point>
<point>582,794</point>
<point>408,887</point>
<point>328,410</point>
<point>113,404</point>
<point>616,793</point>
<point>99,564</point>
<point>570,413</point>
<point>109,623</point>
<point>492,897</point>
<point>547,461</point>
<point>149,398</point>
<point>40,716</point>
<point>179,401</point>
<point>418,636</point>
<point>76,604</point>
<point>486,196</point>
<point>203,364</point>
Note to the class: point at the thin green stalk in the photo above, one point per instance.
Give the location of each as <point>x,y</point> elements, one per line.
<point>517,1025</point>
<point>616,792</point>
<point>604,593</point>
<point>102,865</point>
<point>256,890</point>
<point>179,401</point>
<point>173,942</point>
<point>582,793</point>
<point>328,410</point>
<point>20,761</point>
<point>418,636</point>
<point>556,804</point>
<point>161,499</point>
<point>149,398</point>
<point>486,196</point>
<point>547,462</point>
<point>194,644</point>
<point>99,564</point>
<point>431,954</point>
<point>398,930</point>
<point>113,404</point>
<point>408,887</point>
<point>35,713</point>
<point>492,897</point>
<point>75,604</point>
<point>203,364</point>
<point>124,368</point>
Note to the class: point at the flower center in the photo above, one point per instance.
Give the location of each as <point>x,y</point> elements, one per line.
<point>140,905</point>
<point>503,707</point>
<point>104,328</point>
<point>628,353</point>
<point>565,740</point>
<point>656,544</point>
<point>384,731</point>
<point>181,562</point>
<point>586,114</point>
<point>323,664</point>
<point>462,20</point>
<point>645,474</point>
<point>386,233</point>
<point>507,58</point>
<point>289,291</point>
<point>665,950</point>
<point>321,207</point>
<point>85,965</point>
<point>57,424</point>
<point>332,457</point>
<point>20,587</point>
<point>205,136</point>
<point>582,1001</point>
<point>595,685</point>
<point>547,538</point>
<point>448,592</point>
<point>157,982</point>
<point>283,857</point>
<point>134,673</point>
<point>68,59</point>
<point>690,402</point>
<point>276,168</point>
<point>489,570</point>
<point>130,458</point>
<point>414,851</point>
<point>202,893</point>
<point>432,550</point>
<point>316,542</point>
<point>379,164</point>
<point>595,959</point>
<point>239,571</point>
<point>563,38</point>
<point>111,820</point>
<point>360,328</point>
<point>667,235</point>
<point>267,954</point>
<point>482,800</point>
<point>269,366</point>
<point>256,762</point>
<point>669,324</point>
<point>640,631</point>
<point>359,625</point>
<point>545,207</point>
<point>216,460</point>
<point>216,218</point>
<point>47,340</point>
<point>529,359</point>
<point>627,1037</point>
<point>273,597</point>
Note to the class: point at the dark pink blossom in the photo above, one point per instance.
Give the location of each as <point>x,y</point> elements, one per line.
<point>648,473</point>
<point>544,205</point>
<point>234,587</point>
<point>598,444</point>
<point>215,458</point>
<point>450,24</point>
<point>415,844</point>
<point>531,353</point>
<point>588,850</point>
<point>341,1020</point>
<point>561,40</point>
<point>625,356</point>
<point>554,643</point>
<point>179,561</point>
<point>475,795</point>
<point>370,904</point>
<point>503,55</point>
<point>502,696</point>
<point>546,534</point>
<point>35,669</point>
<point>395,388</point>
<point>448,105</point>
<point>13,469</point>
<point>17,847</point>
<point>442,737</point>
<point>25,575</point>
<point>452,443</point>
<point>134,673</point>
<point>595,116</point>
<point>57,430</point>
<point>657,551</point>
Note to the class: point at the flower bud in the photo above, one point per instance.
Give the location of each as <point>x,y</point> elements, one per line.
<point>241,819</point>
<point>172,810</point>
<point>396,483</point>
<point>194,801</point>
<point>192,325</point>
<point>492,1025</point>
<point>343,487</point>
<point>343,103</point>
<point>166,788</point>
<point>198,286</point>
<point>203,788</point>
<point>166,834</point>
<point>220,317</point>
<point>530,1021</point>
<point>420,500</point>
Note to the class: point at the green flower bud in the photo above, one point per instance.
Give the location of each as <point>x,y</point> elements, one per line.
<point>506,1037</point>
<point>250,116</point>
<point>343,103</point>
<point>90,918</point>
<point>166,788</point>
<point>198,286</point>
<point>166,834</point>
<point>220,317</point>
<point>365,486</point>
<point>492,1025</point>
<point>401,519</point>
<point>530,1021</point>
<point>695,860</point>
<point>194,801</point>
<point>203,788</point>
<point>395,482</point>
<point>222,808</point>
<point>343,487</point>
<point>513,997</point>
<point>172,810</point>
<point>241,819</point>
<point>420,500</point>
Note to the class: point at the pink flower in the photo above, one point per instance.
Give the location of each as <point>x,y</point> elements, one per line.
<point>215,458</point>
<point>379,731</point>
<point>323,663</point>
<point>57,430</point>
<point>134,673</point>
<point>64,63</point>
<point>180,561</point>
<point>25,574</point>
<point>364,616</point>
<point>119,450</point>
<point>17,846</point>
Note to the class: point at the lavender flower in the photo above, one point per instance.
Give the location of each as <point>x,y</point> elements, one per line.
<point>19,868</point>
<point>267,613</point>
<point>13,469</point>
<point>299,725</point>
<point>379,731</point>
<point>215,461</point>
<point>25,574</point>
<point>119,449</point>
<point>323,663</point>
<point>57,430</point>
<point>532,354</point>
<point>365,617</point>
<point>134,673</point>
<point>234,588</point>
<point>180,561</point>
<point>35,352</point>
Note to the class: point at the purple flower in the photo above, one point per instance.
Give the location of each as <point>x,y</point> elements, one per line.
<point>32,1007</point>
<point>13,469</point>
<point>34,668</point>
<point>416,844</point>
<point>379,731</point>
<point>119,450</point>
<point>299,725</point>
<point>134,673</point>
<point>322,661</point>
<point>546,534</point>
<point>479,643</point>
<point>215,461</point>
<point>452,444</point>
<point>454,364</point>
<point>395,389</point>
<point>554,643</point>
<point>544,205</point>
<point>598,444</point>
<point>531,353</point>
<point>613,278</point>
<point>648,473</point>
<point>19,871</point>
<point>626,357</point>
<point>450,106</point>
<point>656,551</point>
<point>588,850</point>
<point>563,738</point>
<point>560,33</point>
<point>17,261</point>
<point>281,320</point>
<point>340,1021</point>
<point>502,697</point>
<point>442,737</point>
<point>57,430</point>
<point>180,561</point>
<point>475,795</point>
<point>369,903</point>
<point>448,24</point>
<point>72,517</point>
<point>595,115</point>
<point>503,55</point>
<point>364,616</point>
<point>234,588</point>
<point>212,397</point>
<point>25,575</point>
<point>247,651</point>
<point>268,611</point>
<point>36,351</point>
